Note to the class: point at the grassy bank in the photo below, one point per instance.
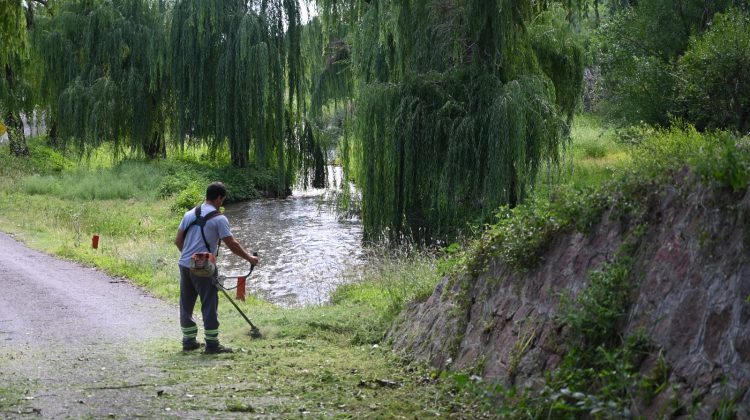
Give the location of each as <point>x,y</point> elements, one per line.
<point>323,360</point>
<point>326,359</point>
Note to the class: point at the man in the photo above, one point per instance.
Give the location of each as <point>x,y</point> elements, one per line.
<point>189,241</point>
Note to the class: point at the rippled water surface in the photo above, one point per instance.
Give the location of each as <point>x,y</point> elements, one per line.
<point>303,246</point>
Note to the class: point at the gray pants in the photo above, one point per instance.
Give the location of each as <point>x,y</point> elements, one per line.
<point>192,287</point>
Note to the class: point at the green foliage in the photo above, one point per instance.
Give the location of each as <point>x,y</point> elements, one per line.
<point>631,73</point>
<point>232,62</point>
<point>12,30</point>
<point>726,161</point>
<point>187,181</point>
<point>327,66</point>
<point>42,160</point>
<point>667,151</point>
<point>727,409</point>
<point>655,382</point>
<point>600,308</point>
<point>596,381</point>
<point>16,71</point>
<point>454,113</point>
<point>639,50</point>
<point>634,135</point>
<point>717,156</point>
<point>189,196</point>
<point>387,284</point>
<point>128,179</point>
<point>521,235</point>
<point>560,56</point>
<point>595,156</point>
<point>605,390</point>
<point>715,74</point>
<point>103,75</point>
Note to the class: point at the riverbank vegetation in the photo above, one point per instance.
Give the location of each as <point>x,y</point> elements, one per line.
<point>490,126</point>
<point>440,112</point>
<point>333,356</point>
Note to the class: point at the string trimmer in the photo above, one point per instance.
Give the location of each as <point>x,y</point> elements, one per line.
<point>254,331</point>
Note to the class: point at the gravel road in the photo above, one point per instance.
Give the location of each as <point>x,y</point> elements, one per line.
<point>72,340</point>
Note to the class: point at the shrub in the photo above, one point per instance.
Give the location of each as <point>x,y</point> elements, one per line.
<point>726,162</point>
<point>715,75</point>
<point>634,135</point>
<point>661,58</point>
<point>631,54</point>
<point>190,196</point>
<point>667,150</point>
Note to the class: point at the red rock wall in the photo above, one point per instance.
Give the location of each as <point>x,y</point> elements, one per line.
<point>692,277</point>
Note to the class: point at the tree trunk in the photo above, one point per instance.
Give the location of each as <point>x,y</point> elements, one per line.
<point>238,156</point>
<point>53,138</point>
<point>319,178</point>
<point>156,148</point>
<point>16,139</point>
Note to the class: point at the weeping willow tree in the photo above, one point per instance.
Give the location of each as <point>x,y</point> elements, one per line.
<point>16,18</point>
<point>327,59</point>
<point>457,104</point>
<point>236,71</point>
<point>326,79</point>
<point>104,76</point>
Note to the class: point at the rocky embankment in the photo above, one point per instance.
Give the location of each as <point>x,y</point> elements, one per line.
<point>691,282</point>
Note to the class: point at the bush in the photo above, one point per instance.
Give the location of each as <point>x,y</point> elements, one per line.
<point>635,61</point>
<point>634,135</point>
<point>726,162</point>
<point>191,195</point>
<point>666,58</point>
<point>715,75</point>
<point>667,150</point>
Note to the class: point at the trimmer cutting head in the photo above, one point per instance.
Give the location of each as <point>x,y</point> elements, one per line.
<point>255,333</point>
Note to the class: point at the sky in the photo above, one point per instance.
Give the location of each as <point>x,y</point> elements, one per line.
<point>308,10</point>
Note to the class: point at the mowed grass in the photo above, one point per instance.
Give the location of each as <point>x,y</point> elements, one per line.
<point>321,361</point>
<point>327,360</point>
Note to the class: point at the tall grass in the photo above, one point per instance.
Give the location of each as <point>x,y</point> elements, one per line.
<point>389,282</point>
<point>126,180</point>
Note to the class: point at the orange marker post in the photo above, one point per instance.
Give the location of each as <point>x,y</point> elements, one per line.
<point>95,241</point>
<point>241,288</point>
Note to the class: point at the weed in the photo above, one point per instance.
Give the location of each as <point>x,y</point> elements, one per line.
<point>726,161</point>
<point>526,336</point>
<point>387,284</point>
<point>656,381</point>
<point>601,306</point>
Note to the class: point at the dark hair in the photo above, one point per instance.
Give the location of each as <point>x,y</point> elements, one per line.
<point>215,190</point>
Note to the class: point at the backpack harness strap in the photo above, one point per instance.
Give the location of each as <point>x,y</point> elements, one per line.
<point>200,221</point>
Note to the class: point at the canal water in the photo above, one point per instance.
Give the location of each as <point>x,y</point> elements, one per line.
<point>305,249</point>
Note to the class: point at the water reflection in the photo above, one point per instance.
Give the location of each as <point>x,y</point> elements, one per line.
<point>303,246</point>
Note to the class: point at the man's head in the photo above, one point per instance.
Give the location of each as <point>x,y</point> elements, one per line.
<point>216,191</point>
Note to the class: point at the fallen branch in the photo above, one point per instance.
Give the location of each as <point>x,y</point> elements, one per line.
<point>118,387</point>
<point>31,411</point>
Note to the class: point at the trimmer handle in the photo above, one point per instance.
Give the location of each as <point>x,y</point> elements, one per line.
<point>252,266</point>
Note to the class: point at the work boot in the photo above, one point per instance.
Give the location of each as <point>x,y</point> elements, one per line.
<point>190,345</point>
<point>217,349</point>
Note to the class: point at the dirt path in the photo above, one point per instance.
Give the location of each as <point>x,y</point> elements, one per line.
<point>72,340</point>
